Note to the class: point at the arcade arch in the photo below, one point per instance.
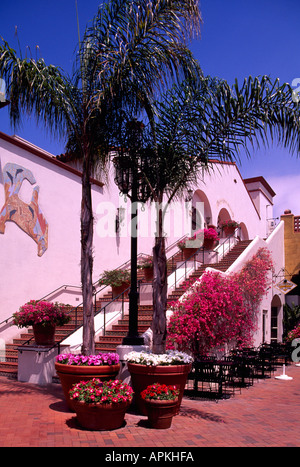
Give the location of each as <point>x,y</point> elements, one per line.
<point>201,211</point>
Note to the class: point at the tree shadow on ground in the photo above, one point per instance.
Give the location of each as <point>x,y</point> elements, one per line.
<point>199,414</point>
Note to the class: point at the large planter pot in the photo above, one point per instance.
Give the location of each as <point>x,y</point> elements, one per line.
<point>228,231</point>
<point>188,252</point>
<point>44,335</point>
<point>143,375</point>
<point>161,413</point>
<point>148,274</point>
<point>72,374</point>
<point>208,243</point>
<point>116,291</point>
<point>99,417</point>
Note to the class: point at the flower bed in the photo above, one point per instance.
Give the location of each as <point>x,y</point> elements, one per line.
<point>102,392</point>
<point>172,357</point>
<point>160,392</point>
<point>88,360</point>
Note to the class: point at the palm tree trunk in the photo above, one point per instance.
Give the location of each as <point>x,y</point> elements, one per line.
<point>88,343</point>
<point>160,289</point>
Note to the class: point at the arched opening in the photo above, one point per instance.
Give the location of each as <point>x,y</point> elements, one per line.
<point>222,217</point>
<point>275,323</point>
<point>201,211</point>
<point>244,235</point>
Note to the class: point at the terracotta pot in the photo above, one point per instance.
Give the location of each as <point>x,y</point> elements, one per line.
<point>99,417</point>
<point>72,374</point>
<point>228,231</point>
<point>116,291</point>
<point>44,335</point>
<point>161,413</point>
<point>143,375</point>
<point>188,252</point>
<point>208,243</point>
<point>148,274</point>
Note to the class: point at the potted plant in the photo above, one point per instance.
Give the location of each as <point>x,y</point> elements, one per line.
<point>204,237</point>
<point>210,238</point>
<point>147,266</point>
<point>186,247</point>
<point>43,316</point>
<point>117,279</point>
<point>72,369</point>
<point>171,368</point>
<point>100,405</point>
<point>161,404</point>
<point>229,226</point>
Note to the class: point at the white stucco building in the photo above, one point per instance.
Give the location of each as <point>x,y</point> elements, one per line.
<point>40,255</point>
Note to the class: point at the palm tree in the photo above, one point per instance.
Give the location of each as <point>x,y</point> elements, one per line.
<point>128,54</point>
<point>198,121</point>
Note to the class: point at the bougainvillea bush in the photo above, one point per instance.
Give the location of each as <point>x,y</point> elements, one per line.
<point>294,334</point>
<point>220,309</point>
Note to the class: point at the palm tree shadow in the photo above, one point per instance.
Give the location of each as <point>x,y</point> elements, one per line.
<point>199,414</point>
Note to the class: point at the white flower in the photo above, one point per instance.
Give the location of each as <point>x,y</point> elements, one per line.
<point>172,357</point>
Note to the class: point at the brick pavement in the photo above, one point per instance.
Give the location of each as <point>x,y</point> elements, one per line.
<point>265,415</point>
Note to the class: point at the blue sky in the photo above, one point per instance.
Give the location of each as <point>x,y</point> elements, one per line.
<point>239,38</point>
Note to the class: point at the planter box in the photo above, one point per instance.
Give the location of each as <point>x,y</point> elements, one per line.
<point>36,364</point>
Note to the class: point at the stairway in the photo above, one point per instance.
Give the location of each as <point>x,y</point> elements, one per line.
<point>10,366</point>
<point>223,265</point>
<point>114,337</point>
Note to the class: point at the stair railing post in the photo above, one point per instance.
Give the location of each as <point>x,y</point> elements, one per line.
<point>104,321</point>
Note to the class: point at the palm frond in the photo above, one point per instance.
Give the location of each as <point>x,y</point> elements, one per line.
<point>143,47</point>
<point>197,122</point>
<point>258,112</point>
<point>34,87</point>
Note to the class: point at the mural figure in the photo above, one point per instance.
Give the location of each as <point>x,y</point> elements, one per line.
<point>27,216</point>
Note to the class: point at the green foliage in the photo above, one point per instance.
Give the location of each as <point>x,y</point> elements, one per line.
<point>115,277</point>
<point>291,318</point>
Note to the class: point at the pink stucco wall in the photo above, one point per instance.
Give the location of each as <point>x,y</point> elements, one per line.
<point>25,275</point>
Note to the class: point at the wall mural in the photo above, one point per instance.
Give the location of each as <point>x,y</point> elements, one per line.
<point>27,216</point>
